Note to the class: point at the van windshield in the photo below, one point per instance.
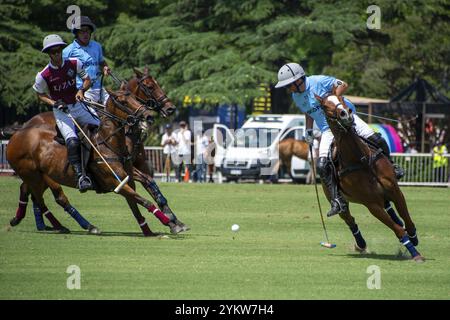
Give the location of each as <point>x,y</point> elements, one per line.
<point>255,137</point>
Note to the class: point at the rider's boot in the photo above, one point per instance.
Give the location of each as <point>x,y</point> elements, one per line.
<point>338,203</point>
<point>74,156</point>
<point>379,141</point>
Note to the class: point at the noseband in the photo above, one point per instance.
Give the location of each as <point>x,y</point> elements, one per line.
<point>152,102</point>
<point>343,124</point>
<point>133,116</point>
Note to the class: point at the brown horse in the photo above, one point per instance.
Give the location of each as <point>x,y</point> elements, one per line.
<point>291,147</point>
<point>41,161</point>
<point>147,90</point>
<point>366,176</point>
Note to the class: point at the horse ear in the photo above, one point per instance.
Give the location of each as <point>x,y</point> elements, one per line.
<point>146,71</point>
<point>137,72</point>
<point>319,98</point>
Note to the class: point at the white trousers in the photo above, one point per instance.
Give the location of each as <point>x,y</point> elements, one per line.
<point>81,116</point>
<point>362,129</point>
<point>94,94</point>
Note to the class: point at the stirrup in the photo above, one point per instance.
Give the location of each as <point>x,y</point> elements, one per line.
<point>336,208</point>
<point>84,183</point>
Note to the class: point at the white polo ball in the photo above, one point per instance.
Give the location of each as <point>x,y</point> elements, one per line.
<point>235,227</point>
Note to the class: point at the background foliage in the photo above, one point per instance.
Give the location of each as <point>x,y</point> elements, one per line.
<point>221,50</point>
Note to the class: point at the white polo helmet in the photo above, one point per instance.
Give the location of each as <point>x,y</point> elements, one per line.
<point>289,73</point>
<point>52,40</point>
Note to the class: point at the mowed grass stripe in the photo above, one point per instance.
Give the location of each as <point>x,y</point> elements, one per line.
<point>275,255</point>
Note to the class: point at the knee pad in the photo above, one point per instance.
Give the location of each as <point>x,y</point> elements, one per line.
<point>380,142</point>
<point>323,165</point>
<point>72,143</point>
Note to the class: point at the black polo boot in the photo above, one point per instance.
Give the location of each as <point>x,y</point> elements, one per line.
<point>338,202</point>
<point>74,156</point>
<point>379,141</point>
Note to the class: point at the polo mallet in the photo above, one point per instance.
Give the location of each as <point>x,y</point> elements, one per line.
<point>313,166</point>
<point>121,182</point>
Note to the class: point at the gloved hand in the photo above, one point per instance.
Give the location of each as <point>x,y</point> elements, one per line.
<point>61,105</point>
<point>309,136</point>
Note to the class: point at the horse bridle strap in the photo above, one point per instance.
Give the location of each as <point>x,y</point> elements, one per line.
<point>149,93</point>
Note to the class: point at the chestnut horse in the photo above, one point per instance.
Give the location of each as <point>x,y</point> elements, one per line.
<point>366,176</point>
<point>147,90</point>
<point>291,147</point>
<point>41,162</point>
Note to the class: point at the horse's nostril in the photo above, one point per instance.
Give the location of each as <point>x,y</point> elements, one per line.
<point>344,114</point>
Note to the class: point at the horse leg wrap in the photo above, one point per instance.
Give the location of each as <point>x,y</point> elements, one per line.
<point>413,238</point>
<point>156,193</point>
<point>21,210</point>
<point>144,227</point>
<point>409,245</point>
<point>40,225</point>
<point>77,216</point>
<point>360,242</point>
<point>393,214</point>
<point>158,214</point>
<point>50,217</point>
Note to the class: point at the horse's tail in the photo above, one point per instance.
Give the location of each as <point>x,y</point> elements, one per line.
<point>7,132</point>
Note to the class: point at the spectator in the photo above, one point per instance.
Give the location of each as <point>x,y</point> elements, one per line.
<point>201,145</point>
<point>440,162</point>
<point>183,138</point>
<point>168,142</point>
<point>210,153</point>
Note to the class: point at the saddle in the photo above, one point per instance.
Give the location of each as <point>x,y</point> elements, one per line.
<point>365,162</point>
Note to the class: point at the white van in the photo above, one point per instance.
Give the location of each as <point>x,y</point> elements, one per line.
<point>251,152</point>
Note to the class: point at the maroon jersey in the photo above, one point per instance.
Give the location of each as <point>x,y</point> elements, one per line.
<point>60,83</point>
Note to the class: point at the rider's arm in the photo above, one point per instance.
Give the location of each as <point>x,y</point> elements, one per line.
<point>45,98</point>
<point>41,88</point>
<point>340,87</point>
<point>86,81</point>
<point>309,122</point>
<point>103,65</point>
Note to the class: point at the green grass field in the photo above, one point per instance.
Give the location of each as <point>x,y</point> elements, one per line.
<point>275,255</point>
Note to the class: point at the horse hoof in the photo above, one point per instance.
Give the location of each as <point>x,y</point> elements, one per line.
<point>175,228</point>
<point>182,225</point>
<point>419,259</point>
<point>414,240</point>
<point>63,230</point>
<point>360,250</point>
<point>14,222</point>
<point>94,230</point>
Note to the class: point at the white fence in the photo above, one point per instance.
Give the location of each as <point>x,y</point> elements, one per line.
<point>419,170</point>
<point>418,167</point>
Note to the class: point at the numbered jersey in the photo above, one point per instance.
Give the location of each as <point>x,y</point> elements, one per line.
<point>60,83</point>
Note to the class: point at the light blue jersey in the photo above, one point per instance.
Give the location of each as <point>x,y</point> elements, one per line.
<point>91,56</point>
<point>307,103</point>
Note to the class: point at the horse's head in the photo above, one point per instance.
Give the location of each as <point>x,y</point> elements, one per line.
<point>147,89</point>
<point>124,105</point>
<point>336,110</point>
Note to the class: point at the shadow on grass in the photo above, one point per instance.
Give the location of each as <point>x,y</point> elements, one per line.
<point>400,256</point>
<point>110,234</point>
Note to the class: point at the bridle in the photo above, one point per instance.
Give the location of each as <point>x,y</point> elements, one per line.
<point>152,102</point>
<point>342,124</point>
<point>132,116</point>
